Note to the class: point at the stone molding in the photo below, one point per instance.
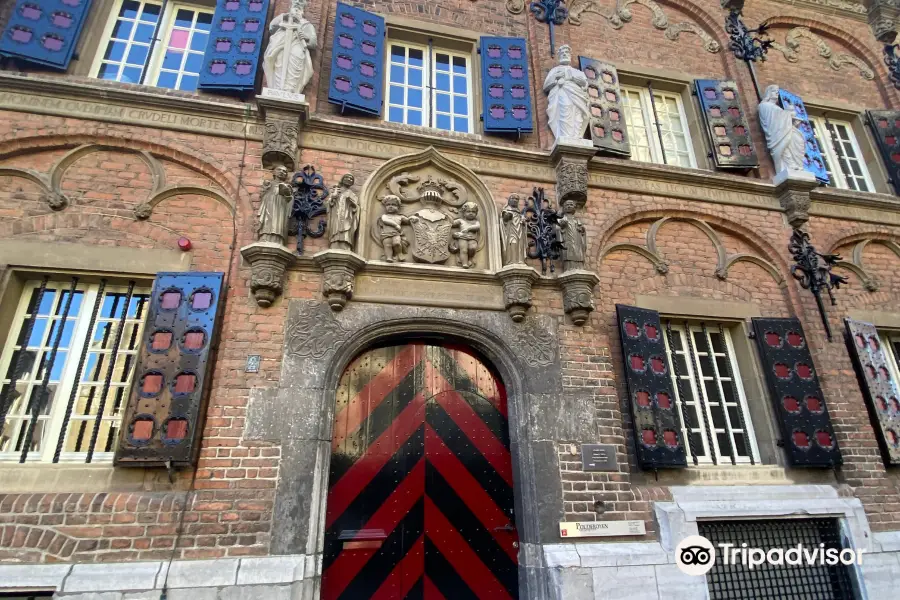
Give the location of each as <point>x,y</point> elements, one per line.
<point>24,254</point>
<point>844,8</point>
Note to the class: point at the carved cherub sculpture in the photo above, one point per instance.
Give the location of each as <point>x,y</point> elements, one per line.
<point>466,239</point>
<point>390,229</point>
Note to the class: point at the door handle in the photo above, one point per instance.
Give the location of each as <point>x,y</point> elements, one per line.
<point>507,527</point>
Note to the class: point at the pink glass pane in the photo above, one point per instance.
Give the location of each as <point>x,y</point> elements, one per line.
<point>72,2</point>
<point>739,130</point>
<point>801,440</point>
<point>494,52</point>
<point>710,93</point>
<point>223,45</point>
<point>599,132</point>
<point>637,362</point>
<point>194,340</point>
<point>170,300</point>
<point>516,72</point>
<point>651,331</point>
<point>248,45</point>
<point>152,383</point>
<point>369,48</point>
<point>590,73</point>
<point>366,91</point>
<point>367,69</point>
<point>618,135</point>
<point>53,43</point>
<point>243,67</point>
<point>201,300</point>
<point>804,371</point>
<point>745,150</point>
<point>882,404</point>
<point>782,371</point>
<point>369,28</point>
<point>728,94</point>
<point>161,340</point>
<point>31,11</point>
<point>631,329</point>
<point>255,6</point>
<point>498,112</point>
<point>515,52</point>
<point>348,21</point>
<point>518,91</point>
<point>176,429</point>
<point>642,398</point>
<point>185,383</point>
<point>791,404</point>
<point>179,39</point>
<point>345,41</point>
<point>251,25</point>
<point>342,84</point>
<point>795,339</point>
<point>813,404</point>
<point>663,400</point>
<point>519,112</point>
<point>232,5</point>
<point>495,70</point>
<point>22,35</point>
<point>217,67</point>
<point>648,436</point>
<point>824,438</point>
<point>715,111</point>
<point>227,24</point>
<point>62,20</point>
<point>657,365</point>
<point>344,61</point>
<point>496,91</point>
<point>613,115</point>
<point>142,430</point>
<point>671,438</point>
<point>773,339</point>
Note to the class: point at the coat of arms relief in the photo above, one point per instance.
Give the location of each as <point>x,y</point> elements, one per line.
<point>428,219</point>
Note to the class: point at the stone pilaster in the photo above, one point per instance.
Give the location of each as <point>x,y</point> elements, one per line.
<point>570,158</point>
<point>578,294</point>
<point>792,189</point>
<point>517,282</point>
<point>268,262</point>
<point>340,267</point>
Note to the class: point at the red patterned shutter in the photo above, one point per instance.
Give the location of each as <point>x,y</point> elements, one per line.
<point>164,416</point>
<point>726,124</point>
<point>885,126</point>
<point>608,130</point>
<point>879,388</point>
<point>806,429</point>
<point>658,439</point>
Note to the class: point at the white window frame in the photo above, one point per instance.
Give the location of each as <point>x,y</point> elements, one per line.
<point>891,338</point>
<point>69,376</point>
<point>429,90</point>
<point>705,417</point>
<point>826,143</point>
<point>153,65</point>
<point>656,150</point>
<point>106,38</point>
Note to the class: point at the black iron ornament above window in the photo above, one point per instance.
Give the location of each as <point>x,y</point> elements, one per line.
<point>540,218</point>
<point>551,12</point>
<point>310,193</point>
<point>746,43</point>
<point>893,63</point>
<point>813,271</point>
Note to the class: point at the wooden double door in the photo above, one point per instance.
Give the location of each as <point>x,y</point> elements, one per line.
<point>420,499</point>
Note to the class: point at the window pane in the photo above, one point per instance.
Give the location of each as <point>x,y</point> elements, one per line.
<point>442,102</point>
<point>131,75</point>
<point>415,117</point>
<point>199,41</point>
<point>184,18</point>
<point>461,124</point>
<point>415,77</point>
<point>122,29</point>
<point>396,95</point>
<point>137,55</point>
<point>459,65</point>
<point>188,83</point>
<point>143,33</point>
<point>414,98</point>
<point>109,72</point>
<point>150,14</point>
<point>167,80</point>
<point>724,444</point>
<point>461,105</point>
<point>395,115</point>
<point>459,84</point>
<point>443,62</point>
<point>443,122</point>
<point>129,9</point>
<point>442,82</point>
<point>397,74</point>
<point>415,57</point>
<point>193,64</point>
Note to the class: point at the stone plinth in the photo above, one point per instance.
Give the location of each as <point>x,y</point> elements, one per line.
<point>268,262</point>
<point>340,267</point>
<point>792,189</point>
<point>578,294</point>
<point>517,282</point>
<point>570,158</point>
<point>285,114</point>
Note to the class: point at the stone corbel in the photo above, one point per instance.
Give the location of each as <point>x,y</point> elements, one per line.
<point>517,282</point>
<point>578,294</point>
<point>883,16</point>
<point>268,262</point>
<point>285,115</point>
<point>570,158</point>
<point>340,267</point>
<point>792,189</point>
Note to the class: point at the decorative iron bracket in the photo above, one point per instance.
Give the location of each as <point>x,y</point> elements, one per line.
<point>746,43</point>
<point>310,193</point>
<point>551,12</point>
<point>813,271</point>
<point>540,218</point>
<point>893,63</point>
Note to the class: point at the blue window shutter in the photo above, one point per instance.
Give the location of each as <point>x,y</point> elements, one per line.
<point>44,31</point>
<point>814,163</point>
<point>505,86</point>
<point>357,60</point>
<point>232,54</point>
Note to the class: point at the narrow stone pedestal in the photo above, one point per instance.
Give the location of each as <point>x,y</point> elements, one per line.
<point>517,282</point>
<point>792,189</point>
<point>578,294</point>
<point>285,115</point>
<point>268,262</point>
<point>570,158</point>
<point>340,267</point>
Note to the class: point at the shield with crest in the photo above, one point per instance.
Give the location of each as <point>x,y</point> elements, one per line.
<point>431,230</point>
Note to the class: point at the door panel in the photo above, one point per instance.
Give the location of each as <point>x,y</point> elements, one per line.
<point>420,501</point>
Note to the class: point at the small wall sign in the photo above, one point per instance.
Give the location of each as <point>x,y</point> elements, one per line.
<point>573,529</point>
<point>599,457</point>
<point>253,363</point>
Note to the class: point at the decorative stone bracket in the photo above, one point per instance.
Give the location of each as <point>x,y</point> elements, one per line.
<point>570,158</point>
<point>578,294</point>
<point>792,189</point>
<point>268,262</point>
<point>340,267</point>
<point>285,115</point>
<point>517,282</point>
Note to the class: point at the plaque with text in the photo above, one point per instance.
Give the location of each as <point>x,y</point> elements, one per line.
<point>599,457</point>
<point>573,529</point>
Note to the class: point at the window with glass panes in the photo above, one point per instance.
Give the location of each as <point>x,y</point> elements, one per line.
<point>711,402</point>
<point>71,363</point>
<point>183,32</point>
<point>429,87</point>
<point>893,351</point>
<point>670,143</point>
<point>843,159</point>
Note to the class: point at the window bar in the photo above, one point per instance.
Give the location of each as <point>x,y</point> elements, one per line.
<point>662,145</point>
<point>113,359</point>
<point>687,427</point>
<point>41,398</point>
<point>6,400</point>
<point>712,361</point>
<point>740,405</point>
<point>79,372</point>
<point>701,397</point>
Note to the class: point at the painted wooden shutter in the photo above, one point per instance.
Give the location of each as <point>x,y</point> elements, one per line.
<point>44,31</point>
<point>608,131</point>
<point>164,416</point>
<point>879,388</point>
<point>235,42</point>
<point>657,428</point>
<point>796,394</point>
<point>357,60</point>
<point>885,126</point>
<point>726,124</point>
<point>505,86</point>
<point>814,163</point>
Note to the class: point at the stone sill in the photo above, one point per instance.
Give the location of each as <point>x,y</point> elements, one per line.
<point>712,475</point>
<point>81,478</point>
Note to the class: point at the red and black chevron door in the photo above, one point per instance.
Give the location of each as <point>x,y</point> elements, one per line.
<point>420,498</point>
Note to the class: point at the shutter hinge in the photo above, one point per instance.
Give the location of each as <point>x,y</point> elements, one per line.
<point>751,335</point>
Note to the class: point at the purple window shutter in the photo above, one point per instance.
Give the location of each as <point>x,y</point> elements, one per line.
<point>44,31</point>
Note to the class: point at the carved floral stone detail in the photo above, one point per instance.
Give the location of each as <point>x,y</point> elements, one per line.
<point>534,344</point>
<point>280,140</point>
<point>313,331</point>
<point>268,262</point>
<point>143,211</point>
<point>55,200</point>
<point>339,267</point>
<point>793,194</point>
<point>572,181</point>
<point>791,46</point>
<point>578,294</point>
<point>517,282</point>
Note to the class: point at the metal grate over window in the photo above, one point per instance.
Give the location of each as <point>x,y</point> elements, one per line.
<point>766,582</point>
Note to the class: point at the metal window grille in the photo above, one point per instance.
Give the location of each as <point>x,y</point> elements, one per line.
<point>771,582</point>
<point>67,366</point>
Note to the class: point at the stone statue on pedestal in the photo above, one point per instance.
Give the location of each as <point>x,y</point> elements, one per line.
<point>343,215</point>
<point>568,109</point>
<point>287,63</point>
<point>786,142</point>
<point>571,234</point>
<point>275,207</point>
<point>512,232</point>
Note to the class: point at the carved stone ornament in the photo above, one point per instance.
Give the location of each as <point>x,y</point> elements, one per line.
<point>275,207</point>
<point>313,332</point>
<point>578,294</point>
<point>512,232</point>
<point>268,262</point>
<point>56,200</point>
<point>792,189</point>
<point>568,105</point>
<point>343,215</point>
<point>339,267</point>
<point>280,140</point>
<point>882,17</point>
<point>570,158</point>
<point>517,282</point>
<point>143,211</point>
<point>534,344</point>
